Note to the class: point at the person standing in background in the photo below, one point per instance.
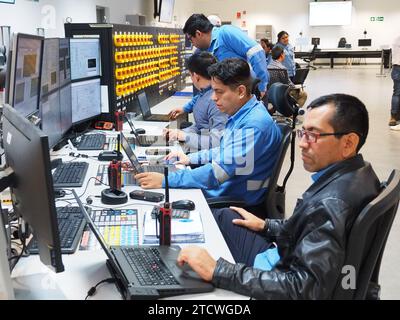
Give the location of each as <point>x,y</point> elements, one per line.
<point>394,121</point>
<point>283,42</point>
<point>226,42</point>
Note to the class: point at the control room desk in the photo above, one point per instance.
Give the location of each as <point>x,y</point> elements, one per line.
<point>344,53</point>
<point>84,269</point>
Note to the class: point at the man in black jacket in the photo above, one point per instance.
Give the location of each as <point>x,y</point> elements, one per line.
<point>302,257</point>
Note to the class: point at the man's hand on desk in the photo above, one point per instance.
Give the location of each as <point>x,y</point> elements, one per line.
<point>175,113</point>
<point>182,158</point>
<point>150,180</point>
<point>174,134</point>
<point>199,260</point>
<point>250,221</point>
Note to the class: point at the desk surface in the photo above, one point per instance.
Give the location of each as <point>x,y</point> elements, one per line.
<point>86,268</point>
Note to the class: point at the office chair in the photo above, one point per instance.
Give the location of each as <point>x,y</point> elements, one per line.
<point>284,103</point>
<point>365,253</point>
<point>310,58</point>
<point>273,205</point>
<point>278,75</point>
<point>300,76</point>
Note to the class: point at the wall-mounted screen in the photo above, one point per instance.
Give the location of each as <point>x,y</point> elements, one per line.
<point>7,1</point>
<point>166,10</point>
<point>332,13</point>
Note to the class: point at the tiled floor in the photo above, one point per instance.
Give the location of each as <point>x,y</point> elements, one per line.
<point>382,148</point>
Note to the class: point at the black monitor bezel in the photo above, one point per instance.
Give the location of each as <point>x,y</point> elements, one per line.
<point>30,132</point>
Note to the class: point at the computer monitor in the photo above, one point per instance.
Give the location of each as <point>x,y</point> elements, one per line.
<point>55,94</point>
<point>315,41</point>
<point>364,42</point>
<point>64,61</point>
<point>27,154</point>
<point>86,100</point>
<point>85,58</point>
<point>25,73</point>
<point>166,10</point>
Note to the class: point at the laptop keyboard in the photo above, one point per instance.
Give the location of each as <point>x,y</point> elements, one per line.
<point>147,140</point>
<point>71,223</point>
<point>70,174</point>
<point>92,142</point>
<point>149,267</point>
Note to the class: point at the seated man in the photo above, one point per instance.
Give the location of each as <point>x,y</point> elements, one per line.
<point>242,163</point>
<point>278,73</point>
<point>209,121</point>
<point>311,245</point>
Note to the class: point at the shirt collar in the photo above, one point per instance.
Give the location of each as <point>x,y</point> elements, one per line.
<point>204,90</point>
<point>315,176</point>
<point>214,35</point>
<point>244,109</point>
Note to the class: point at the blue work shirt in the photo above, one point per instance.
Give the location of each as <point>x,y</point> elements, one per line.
<point>289,58</point>
<point>229,41</point>
<point>268,57</point>
<point>241,166</point>
<point>209,124</point>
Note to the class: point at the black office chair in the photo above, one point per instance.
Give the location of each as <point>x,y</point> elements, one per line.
<point>310,58</point>
<point>300,76</point>
<point>285,104</point>
<point>278,75</point>
<point>365,253</point>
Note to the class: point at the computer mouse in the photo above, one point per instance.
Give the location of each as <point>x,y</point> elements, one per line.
<point>183,204</point>
<point>140,131</point>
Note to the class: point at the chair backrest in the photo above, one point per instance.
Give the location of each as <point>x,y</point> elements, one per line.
<point>279,97</point>
<point>300,76</point>
<point>278,75</point>
<point>274,203</point>
<point>342,43</point>
<point>364,252</point>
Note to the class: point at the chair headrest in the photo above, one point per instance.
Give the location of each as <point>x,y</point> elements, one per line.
<point>278,95</point>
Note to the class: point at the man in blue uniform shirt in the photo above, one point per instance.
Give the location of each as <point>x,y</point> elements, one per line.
<point>225,42</point>
<point>209,121</point>
<point>242,164</point>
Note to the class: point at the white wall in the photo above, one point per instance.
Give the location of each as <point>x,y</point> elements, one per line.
<point>292,16</point>
<point>26,16</point>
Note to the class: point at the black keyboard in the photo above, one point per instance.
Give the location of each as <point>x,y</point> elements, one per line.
<point>148,266</point>
<point>70,174</point>
<point>71,223</point>
<point>91,142</point>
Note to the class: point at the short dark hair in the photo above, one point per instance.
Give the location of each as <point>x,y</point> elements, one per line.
<point>197,21</point>
<point>351,114</point>
<point>281,34</point>
<point>276,52</point>
<point>199,63</point>
<point>232,72</point>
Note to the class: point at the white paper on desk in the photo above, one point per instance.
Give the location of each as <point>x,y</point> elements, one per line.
<point>183,230</point>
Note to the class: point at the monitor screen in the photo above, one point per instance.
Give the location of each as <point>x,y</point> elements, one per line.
<point>364,42</point>
<point>85,58</point>
<point>65,62</point>
<point>166,10</point>
<point>315,41</point>
<point>85,100</point>
<point>55,93</point>
<point>144,104</point>
<point>25,73</point>
<point>331,13</point>
<point>65,108</point>
<point>50,114</point>
<point>27,154</point>
<point>7,1</point>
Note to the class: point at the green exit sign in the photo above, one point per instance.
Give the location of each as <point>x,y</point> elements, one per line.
<point>376,18</point>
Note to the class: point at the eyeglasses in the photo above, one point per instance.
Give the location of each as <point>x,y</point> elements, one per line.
<point>312,137</point>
